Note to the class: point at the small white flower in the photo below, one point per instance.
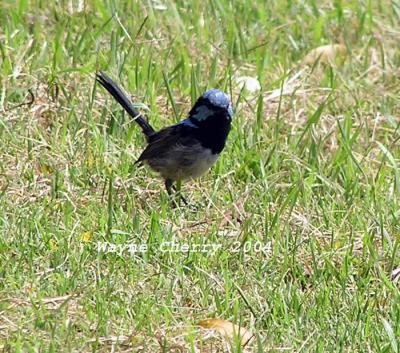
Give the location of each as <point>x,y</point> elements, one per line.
<point>158,5</point>
<point>250,84</point>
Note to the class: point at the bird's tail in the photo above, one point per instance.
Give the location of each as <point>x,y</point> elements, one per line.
<point>125,102</point>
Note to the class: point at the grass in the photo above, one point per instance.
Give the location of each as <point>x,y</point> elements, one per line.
<point>302,205</point>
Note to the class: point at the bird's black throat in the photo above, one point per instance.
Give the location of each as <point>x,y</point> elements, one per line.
<point>213,132</point>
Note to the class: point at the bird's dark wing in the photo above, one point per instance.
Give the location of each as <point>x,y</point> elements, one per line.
<point>164,141</point>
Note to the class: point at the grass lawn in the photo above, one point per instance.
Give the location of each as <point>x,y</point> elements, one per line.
<point>293,235</point>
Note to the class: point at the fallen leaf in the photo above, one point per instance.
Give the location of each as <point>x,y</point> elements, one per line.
<point>326,54</point>
<point>227,329</point>
<point>236,215</point>
<point>290,87</point>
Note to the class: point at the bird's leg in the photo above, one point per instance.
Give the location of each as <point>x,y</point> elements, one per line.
<point>178,190</point>
<point>172,190</point>
<point>169,186</point>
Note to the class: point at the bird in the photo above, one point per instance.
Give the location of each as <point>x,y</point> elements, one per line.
<point>187,149</point>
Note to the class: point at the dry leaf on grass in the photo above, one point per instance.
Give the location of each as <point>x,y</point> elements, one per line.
<point>327,54</point>
<point>228,329</point>
<point>291,85</point>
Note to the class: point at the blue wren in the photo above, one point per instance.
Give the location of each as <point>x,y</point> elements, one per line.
<point>189,148</point>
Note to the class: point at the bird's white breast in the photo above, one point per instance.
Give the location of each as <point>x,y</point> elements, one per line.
<point>203,161</point>
<point>184,162</point>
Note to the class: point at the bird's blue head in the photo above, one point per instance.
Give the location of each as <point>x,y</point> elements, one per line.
<point>212,104</point>
<point>210,118</point>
